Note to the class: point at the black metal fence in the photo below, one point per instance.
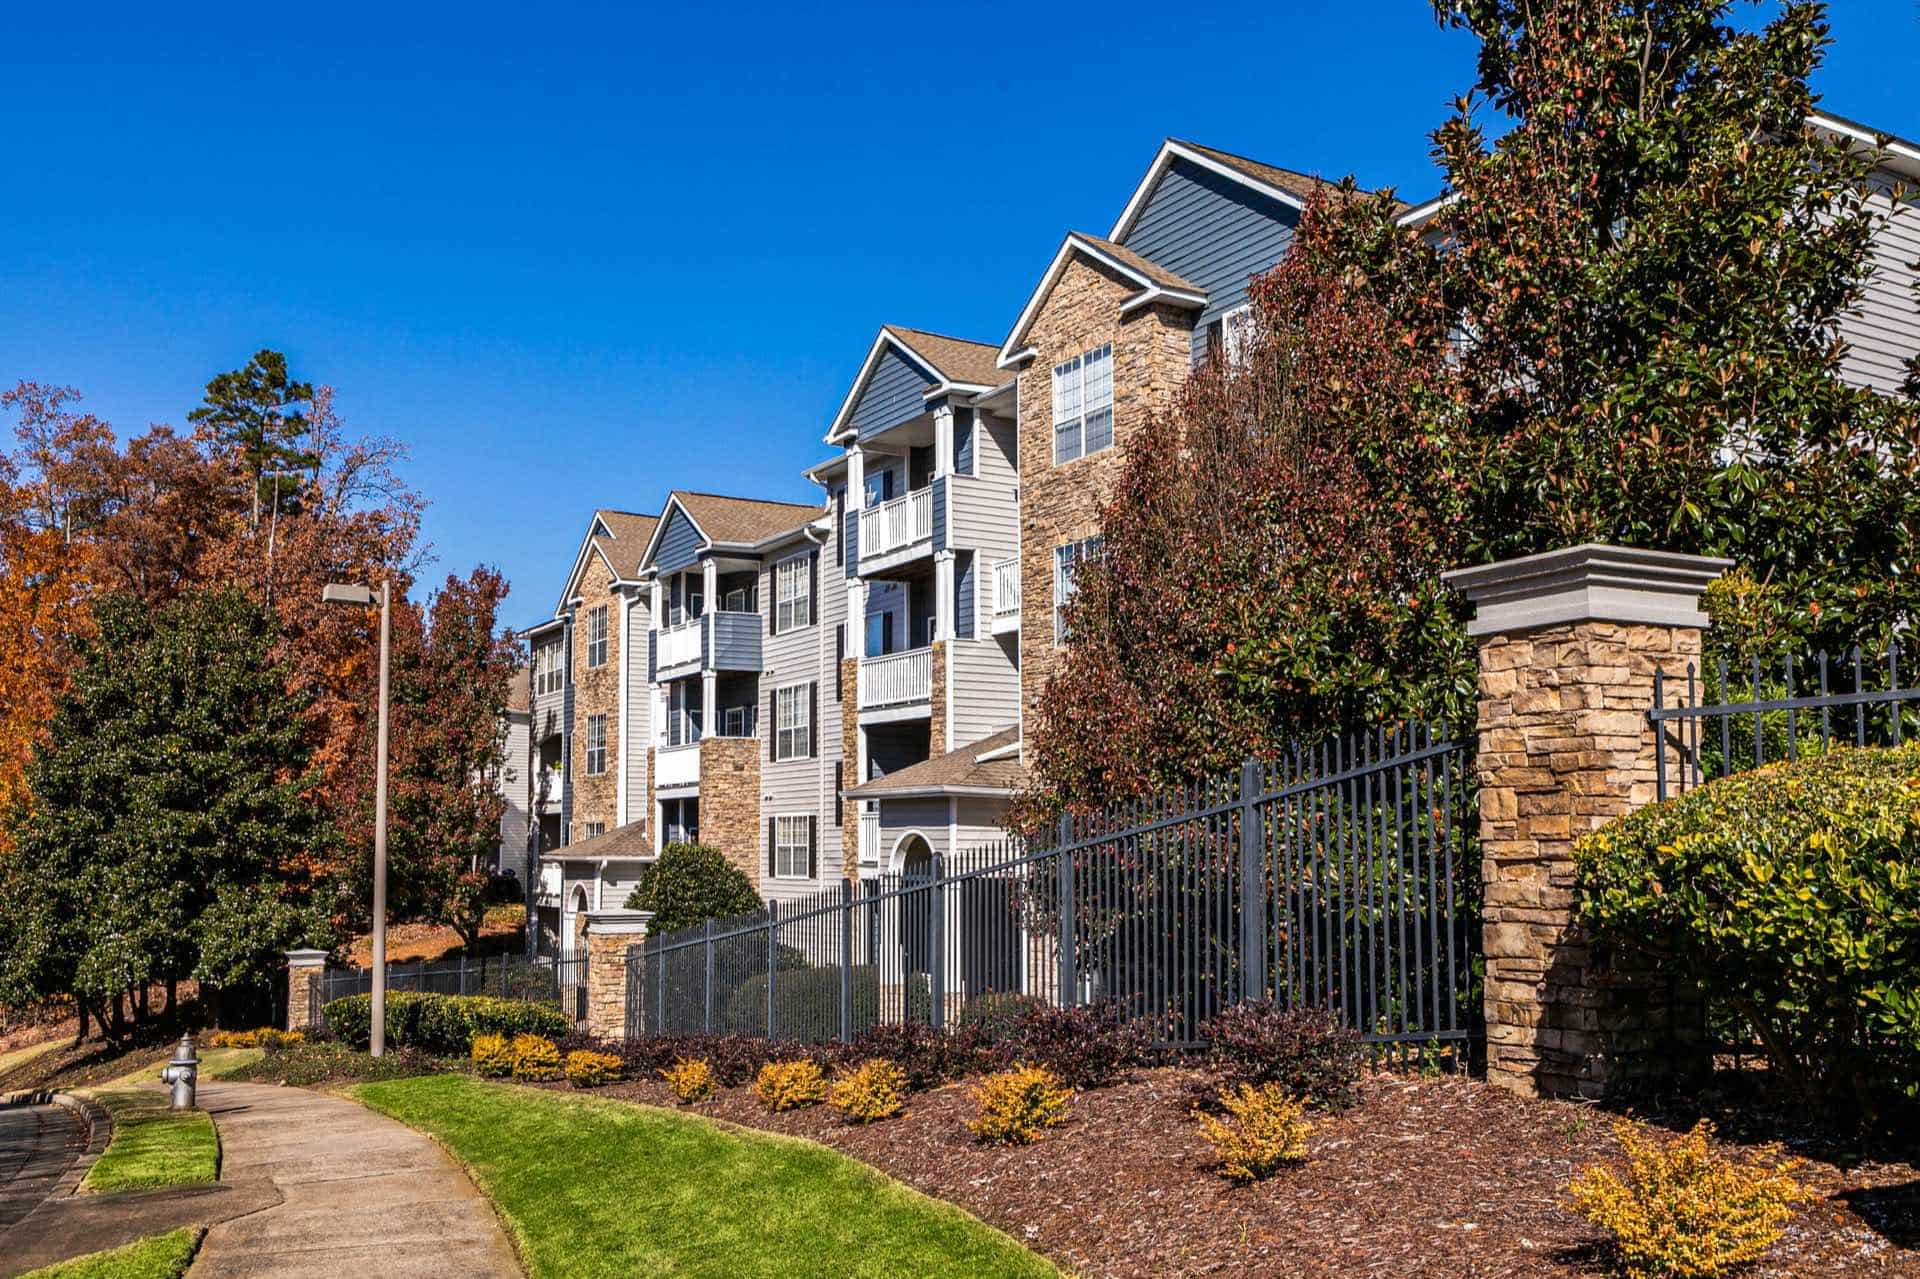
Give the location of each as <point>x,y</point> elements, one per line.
<point>1724,719</point>
<point>504,977</point>
<point>1346,877</point>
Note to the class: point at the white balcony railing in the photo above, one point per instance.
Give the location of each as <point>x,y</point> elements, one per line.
<point>552,882</point>
<point>680,644</point>
<point>870,837</point>
<point>546,786</point>
<point>677,765</point>
<point>897,679</point>
<point>1006,589</point>
<point>898,524</point>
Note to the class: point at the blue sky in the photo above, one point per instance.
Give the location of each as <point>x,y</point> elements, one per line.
<point>576,256</point>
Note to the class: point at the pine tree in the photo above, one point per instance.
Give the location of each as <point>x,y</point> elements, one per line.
<point>260,414</point>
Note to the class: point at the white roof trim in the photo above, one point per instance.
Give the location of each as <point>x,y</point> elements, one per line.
<point>886,338</point>
<point>1011,352</point>
<point>1010,751</point>
<point>1170,151</point>
<point>1424,212</point>
<point>592,543</point>
<point>926,791</point>
<point>1896,148</point>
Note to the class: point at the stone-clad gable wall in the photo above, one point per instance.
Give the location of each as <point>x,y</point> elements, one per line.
<point>1151,358</point>
<point>596,692</point>
<point>730,801</point>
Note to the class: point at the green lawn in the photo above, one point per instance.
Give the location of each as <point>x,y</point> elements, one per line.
<point>215,1063</point>
<point>161,1257</point>
<point>600,1188</point>
<point>152,1146</point>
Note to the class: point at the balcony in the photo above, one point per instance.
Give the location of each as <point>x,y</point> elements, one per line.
<point>897,679</point>
<point>551,884</point>
<point>679,645</point>
<point>676,766</point>
<point>1005,598</point>
<point>546,786</point>
<point>896,531</point>
<point>719,641</point>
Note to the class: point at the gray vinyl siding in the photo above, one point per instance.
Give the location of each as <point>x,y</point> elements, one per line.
<point>898,816</point>
<point>940,512</point>
<point>997,449</point>
<point>986,687</point>
<point>1214,232</point>
<point>850,530</point>
<point>802,656</point>
<point>515,772</point>
<point>963,430</point>
<point>984,515</point>
<point>1883,332</point>
<point>679,544</point>
<point>892,395</point>
<point>966,583</point>
<point>885,597</point>
<point>736,639</point>
<point>636,735</point>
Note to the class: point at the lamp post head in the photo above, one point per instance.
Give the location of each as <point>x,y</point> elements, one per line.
<point>338,593</point>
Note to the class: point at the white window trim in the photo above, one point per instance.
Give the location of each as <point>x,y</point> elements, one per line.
<point>802,727</point>
<point>586,738</point>
<point>1083,548</point>
<point>802,573</point>
<point>1075,367</point>
<point>591,832</point>
<point>1235,326</point>
<point>782,843</point>
<point>548,670</point>
<point>597,615</point>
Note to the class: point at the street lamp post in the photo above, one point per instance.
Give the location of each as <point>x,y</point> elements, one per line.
<point>364,597</point>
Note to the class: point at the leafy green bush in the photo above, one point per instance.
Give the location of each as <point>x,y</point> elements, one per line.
<point>807,1001</point>
<point>1793,892</point>
<point>442,1023</point>
<point>690,884</point>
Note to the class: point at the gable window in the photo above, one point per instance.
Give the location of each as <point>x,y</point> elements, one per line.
<point>793,723</point>
<point>793,846</point>
<point>1236,333</point>
<point>597,637</point>
<point>793,593</point>
<point>1083,404</point>
<point>596,745</point>
<point>596,829</point>
<point>547,671</point>
<point>1067,559</point>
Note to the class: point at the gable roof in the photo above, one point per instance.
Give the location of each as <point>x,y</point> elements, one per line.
<point>622,843</point>
<point>949,361</point>
<point>732,521</point>
<point>986,767</point>
<point>1157,284</point>
<point>619,539</point>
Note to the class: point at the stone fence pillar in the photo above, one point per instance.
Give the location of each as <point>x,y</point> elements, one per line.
<point>1568,644</point>
<point>610,933</point>
<point>304,969</point>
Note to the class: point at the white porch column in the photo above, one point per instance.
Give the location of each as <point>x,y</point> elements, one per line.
<point>943,439</point>
<point>709,703</point>
<point>943,595</point>
<point>710,587</point>
<point>625,741</point>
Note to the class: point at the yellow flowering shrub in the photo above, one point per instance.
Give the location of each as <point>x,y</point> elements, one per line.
<point>492,1056</point>
<point>588,1069</point>
<point>1262,1130</point>
<point>261,1037</point>
<point>1017,1105</point>
<point>534,1058</point>
<point>789,1085</point>
<point>876,1089</point>
<point>1685,1211</point>
<point>689,1080</point>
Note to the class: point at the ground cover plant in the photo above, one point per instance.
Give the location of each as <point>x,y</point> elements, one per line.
<point>697,1198</point>
<point>152,1146</point>
<point>164,1256</point>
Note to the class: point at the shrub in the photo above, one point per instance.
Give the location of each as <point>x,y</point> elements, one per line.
<point>689,1081</point>
<point>1263,1129</point>
<point>1017,1105</point>
<point>492,1056</point>
<point>1685,1210</point>
<point>1790,892</point>
<point>274,1040</point>
<point>1089,1046</point>
<point>789,1085</point>
<point>1306,1051</point>
<point>922,1053</point>
<point>875,1089</point>
<point>588,1069</point>
<point>806,1000</point>
<point>534,1058</point>
<point>996,1014</point>
<point>688,885</point>
<point>263,1037</point>
<point>443,1024</point>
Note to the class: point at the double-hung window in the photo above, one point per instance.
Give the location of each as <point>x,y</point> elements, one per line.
<point>597,637</point>
<point>1236,333</point>
<point>793,593</point>
<point>1067,559</point>
<point>793,847</point>
<point>596,829</point>
<point>596,745</point>
<point>793,725</point>
<point>1083,404</point>
<point>547,672</point>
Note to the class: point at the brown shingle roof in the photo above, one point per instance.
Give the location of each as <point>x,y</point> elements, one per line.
<point>631,532</point>
<point>745,520</point>
<point>519,690</point>
<point>1151,270</point>
<point>957,768</point>
<point>958,359</point>
<point>623,843</point>
<point>1301,184</point>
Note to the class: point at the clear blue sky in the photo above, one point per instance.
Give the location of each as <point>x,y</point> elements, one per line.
<point>576,256</point>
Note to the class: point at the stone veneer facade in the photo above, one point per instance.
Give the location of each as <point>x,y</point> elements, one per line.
<point>1565,746</point>
<point>937,699</point>
<point>1151,359</point>
<point>730,801</point>
<point>850,767</point>
<point>596,691</point>
<point>607,983</point>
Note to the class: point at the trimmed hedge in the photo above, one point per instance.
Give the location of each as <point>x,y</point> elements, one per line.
<point>1793,893</point>
<point>807,1001</point>
<point>444,1024</point>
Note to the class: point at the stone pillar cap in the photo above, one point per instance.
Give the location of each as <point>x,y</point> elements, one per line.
<point>306,958</point>
<point>1592,582</point>
<point>606,923</point>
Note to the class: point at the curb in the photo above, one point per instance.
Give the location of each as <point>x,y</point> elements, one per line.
<point>99,1132</point>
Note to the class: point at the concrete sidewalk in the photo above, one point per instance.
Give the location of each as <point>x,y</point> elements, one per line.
<point>362,1195</point>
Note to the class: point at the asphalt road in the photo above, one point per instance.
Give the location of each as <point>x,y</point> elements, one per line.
<point>37,1146</point>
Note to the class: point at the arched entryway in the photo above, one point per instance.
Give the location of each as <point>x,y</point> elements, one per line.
<point>579,939</point>
<point>913,863</point>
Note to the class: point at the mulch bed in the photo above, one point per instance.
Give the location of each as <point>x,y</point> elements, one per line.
<point>1426,1177</point>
